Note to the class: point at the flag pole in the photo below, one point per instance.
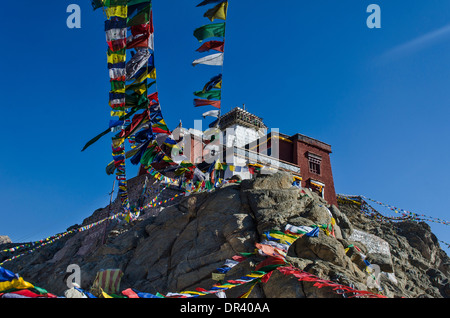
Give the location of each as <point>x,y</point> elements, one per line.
<point>109,211</point>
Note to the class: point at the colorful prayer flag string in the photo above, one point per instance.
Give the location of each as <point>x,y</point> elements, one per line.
<point>211,94</point>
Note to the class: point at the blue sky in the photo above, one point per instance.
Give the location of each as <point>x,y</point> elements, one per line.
<point>379,96</point>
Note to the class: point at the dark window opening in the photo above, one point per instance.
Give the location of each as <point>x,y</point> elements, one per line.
<point>314,163</point>
<point>314,167</point>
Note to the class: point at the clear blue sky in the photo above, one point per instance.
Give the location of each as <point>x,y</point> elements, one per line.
<point>380,97</point>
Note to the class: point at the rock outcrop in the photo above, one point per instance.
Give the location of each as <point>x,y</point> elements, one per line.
<point>4,239</point>
<point>176,247</point>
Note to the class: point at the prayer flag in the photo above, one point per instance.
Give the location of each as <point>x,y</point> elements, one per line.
<point>95,139</point>
<point>117,45</point>
<point>139,60</point>
<point>115,123</point>
<point>212,45</point>
<point>116,57</point>
<point>211,113</point>
<point>218,12</point>
<point>116,34</point>
<point>205,102</point>
<point>118,113</point>
<point>7,275</point>
<point>117,11</point>
<point>116,73</point>
<point>141,36</point>
<point>213,59</point>
<point>140,18</point>
<point>116,23</point>
<point>16,283</point>
<point>139,88</point>
<point>212,94</point>
<point>210,30</point>
<point>213,83</point>
<point>117,86</point>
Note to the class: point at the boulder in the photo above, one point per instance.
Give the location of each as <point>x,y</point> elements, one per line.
<point>4,239</point>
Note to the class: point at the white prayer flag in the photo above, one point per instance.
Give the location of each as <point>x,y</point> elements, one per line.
<point>213,59</point>
<point>212,113</point>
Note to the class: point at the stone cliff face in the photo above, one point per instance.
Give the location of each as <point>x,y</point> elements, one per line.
<point>177,247</point>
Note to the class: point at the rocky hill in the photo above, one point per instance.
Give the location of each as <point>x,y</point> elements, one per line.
<point>177,246</point>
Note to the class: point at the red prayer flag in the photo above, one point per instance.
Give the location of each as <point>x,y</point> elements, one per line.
<point>266,277</point>
<point>117,45</point>
<point>140,35</point>
<point>130,293</point>
<point>154,97</point>
<point>160,131</point>
<point>270,261</point>
<point>212,45</point>
<point>206,102</point>
<point>239,258</point>
<point>137,120</point>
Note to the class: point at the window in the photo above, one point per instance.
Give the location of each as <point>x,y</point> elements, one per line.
<point>314,163</point>
<point>317,187</point>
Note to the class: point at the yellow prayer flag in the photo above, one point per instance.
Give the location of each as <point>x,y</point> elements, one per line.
<point>117,11</point>
<point>117,142</point>
<point>145,75</point>
<point>152,74</point>
<point>284,238</point>
<point>17,283</point>
<point>192,293</point>
<point>119,91</point>
<point>118,113</point>
<point>141,89</point>
<point>105,295</point>
<point>256,275</point>
<point>116,58</point>
<point>218,12</point>
<point>249,291</point>
<point>218,165</point>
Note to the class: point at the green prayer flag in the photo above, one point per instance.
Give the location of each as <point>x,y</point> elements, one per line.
<point>212,94</point>
<point>247,254</point>
<point>148,156</point>
<point>120,52</point>
<point>95,139</point>
<point>139,86</point>
<point>210,30</point>
<point>41,290</point>
<point>136,100</point>
<point>142,17</point>
<point>116,85</point>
